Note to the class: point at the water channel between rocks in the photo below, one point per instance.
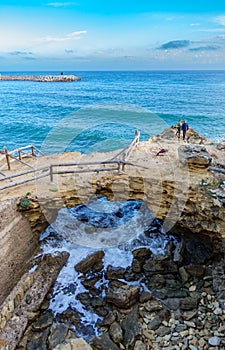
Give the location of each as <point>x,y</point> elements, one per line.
<point>117,228</point>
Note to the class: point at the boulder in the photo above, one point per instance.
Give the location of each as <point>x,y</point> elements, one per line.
<point>122,295</point>
<point>103,343</point>
<point>194,156</point>
<point>131,327</point>
<point>92,262</point>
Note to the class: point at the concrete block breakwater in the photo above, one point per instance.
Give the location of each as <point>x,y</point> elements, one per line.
<point>40,78</point>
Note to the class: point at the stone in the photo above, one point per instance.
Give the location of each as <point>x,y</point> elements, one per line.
<point>179,251</point>
<point>38,340</point>
<point>58,333</point>
<point>109,319</point>
<point>188,303</point>
<point>116,332</point>
<point>136,266</point>
<point>222,329</point>
<point>123,296</point>
<point>79,344</point>
<point>159,265</point>
<point>44,321</point>
<point>69,316</point>
<point>183,274</point>
<point>162,331</point>
<point>214,341</point>
<point>141,253</point>
<point>115,272</point>
<point>195,270</point>
<point>104,343</point>
<point>139,345</point>
<point>145,296</point>
<point>153,305</point>
<point>92,262</point>
<point>131,327</point>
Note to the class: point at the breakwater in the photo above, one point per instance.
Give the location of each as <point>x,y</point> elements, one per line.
<point>40,78</point>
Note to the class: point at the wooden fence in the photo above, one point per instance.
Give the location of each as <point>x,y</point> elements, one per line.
<point>18,154</point>
<point>117,163</point>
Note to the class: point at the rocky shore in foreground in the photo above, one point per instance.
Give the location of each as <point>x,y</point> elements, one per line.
<point>174,301</point>
<point>40,78</point>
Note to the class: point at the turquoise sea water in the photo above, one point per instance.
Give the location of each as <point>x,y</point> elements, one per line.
<point>105,108</point>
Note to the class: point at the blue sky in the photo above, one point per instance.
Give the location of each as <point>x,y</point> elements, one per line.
<point>112,35</point>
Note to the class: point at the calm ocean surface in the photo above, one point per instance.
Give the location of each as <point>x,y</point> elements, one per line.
<point>103,110</point>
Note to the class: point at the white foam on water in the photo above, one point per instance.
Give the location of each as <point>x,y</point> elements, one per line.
<point>66,236</point>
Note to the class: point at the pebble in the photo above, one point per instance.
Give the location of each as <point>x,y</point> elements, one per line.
<point>214,341</point>
<point>192,288</point>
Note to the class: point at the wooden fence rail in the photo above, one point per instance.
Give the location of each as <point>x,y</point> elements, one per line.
<point>49,171</point>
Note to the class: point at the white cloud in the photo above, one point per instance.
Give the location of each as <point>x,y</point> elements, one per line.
<point>61,4</point>
<point>220,20</point>
<point>195,24</point>
<point>67,37</point>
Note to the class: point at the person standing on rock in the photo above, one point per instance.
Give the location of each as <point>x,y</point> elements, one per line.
<point>179,126</point>
<point>185,128</point>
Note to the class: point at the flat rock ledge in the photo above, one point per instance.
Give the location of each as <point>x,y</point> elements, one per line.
<point>40,78</point>
<point>23,304</point>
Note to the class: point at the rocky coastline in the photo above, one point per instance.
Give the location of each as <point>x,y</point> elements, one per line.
<point>170,301</point>
<point>40,78</point>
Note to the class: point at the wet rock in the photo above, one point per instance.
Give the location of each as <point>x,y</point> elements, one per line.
<point>103,343</point>
<point>90,282</point>
<point>183,274</point>
<point>92,262</point>
<point>115,272</point>
<point>179,251</point>
<point>145,296</point>
<point>197,252</point>
<point>141,253</point>
<point>44,321</point>
<point>136,266</point>
<point>38,340</point>
<point>116,332</point>
<point>194,156</point>
<point>195,270</point>
<point>130,275</point>
<point>109,319</point>
<point>131,327</point>
<point>58,333</point>
<point>156,282</point>
<point>122,295</point>
<point>98,301</point>
<point>159,265</point>
<point>69,316</point>
<point>85,299</point>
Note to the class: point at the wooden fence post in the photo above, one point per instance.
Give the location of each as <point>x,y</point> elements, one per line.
<point>51,173</point>
<point>19,154</point>
<point>32,151</point>
<point>7,158</point>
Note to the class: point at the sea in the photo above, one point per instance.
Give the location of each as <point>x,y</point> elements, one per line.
<point>102,111</point>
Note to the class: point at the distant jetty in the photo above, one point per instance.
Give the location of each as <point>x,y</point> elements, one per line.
<point>40,78</point>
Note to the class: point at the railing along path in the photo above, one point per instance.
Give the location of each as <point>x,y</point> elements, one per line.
<point>117,163</point>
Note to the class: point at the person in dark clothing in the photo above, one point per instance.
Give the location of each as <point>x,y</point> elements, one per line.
<point>179,126</point>
<point>185,128</point>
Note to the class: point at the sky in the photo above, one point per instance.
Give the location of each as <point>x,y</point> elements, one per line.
<point>111,35</point>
